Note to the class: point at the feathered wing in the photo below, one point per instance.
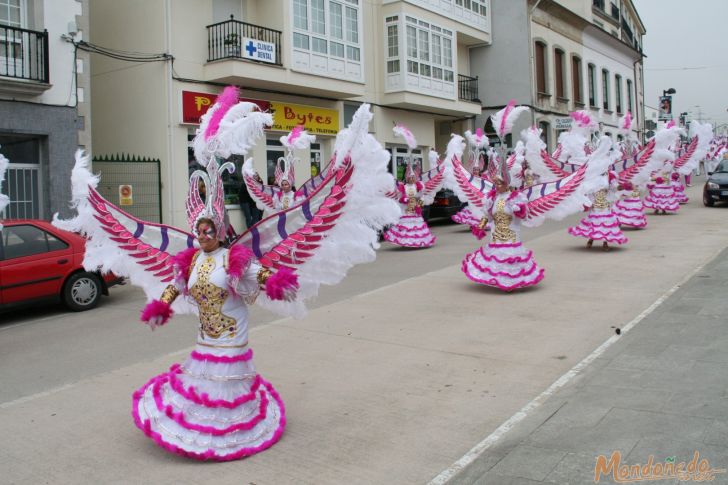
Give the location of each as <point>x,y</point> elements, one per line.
<point>697,149</point>
<point>4,199</point>
<point>433,181</point>
<point>541,163</point>
<point>563,197</point>
<point>310,185</point>
<point>121,243</point>
<point>504,119</point>
<point>262,194</point>
<point>636,169</point>
<point>336,226</point>
<point>467,187</point>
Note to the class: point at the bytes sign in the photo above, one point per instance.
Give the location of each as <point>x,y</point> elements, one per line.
<point>286,116</point>
<point>318,121</point>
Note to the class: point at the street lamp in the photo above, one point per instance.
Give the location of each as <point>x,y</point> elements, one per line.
<point>665,92</point>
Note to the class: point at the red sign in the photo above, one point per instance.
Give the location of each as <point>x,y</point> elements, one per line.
<point>194,105</point>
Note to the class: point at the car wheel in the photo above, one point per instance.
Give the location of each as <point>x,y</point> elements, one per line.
<point>82,291</point>
<point>707,201</point>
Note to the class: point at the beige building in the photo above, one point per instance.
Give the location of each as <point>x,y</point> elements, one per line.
<point>309,61</point>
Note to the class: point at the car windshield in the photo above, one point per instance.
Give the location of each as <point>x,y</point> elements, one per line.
<point>722,167</point>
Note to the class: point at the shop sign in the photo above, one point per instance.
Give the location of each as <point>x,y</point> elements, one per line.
<point>318,121</point>
<point>258,50</point>
<point>562,124</point>
<point>194,105</point>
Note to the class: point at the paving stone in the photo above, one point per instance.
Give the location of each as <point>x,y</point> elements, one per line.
<point>529,462</point>
<point>611,396</point>
<point>644,424</point>
<point>717,433</point>
<point>706,405</point>
<point>495,479</point>
<point>574,469</point>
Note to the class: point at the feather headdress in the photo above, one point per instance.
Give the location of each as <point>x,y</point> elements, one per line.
<point>404,132</point>
<point>504,119</point>
<point>298,138</point>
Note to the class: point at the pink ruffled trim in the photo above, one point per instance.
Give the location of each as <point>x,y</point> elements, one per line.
<point>420,243</point>
<point>509,260</point>
<point>222,359</point>
<point>521,273</point>
<point>589,223</point>
<point>402,228</point>
<point>639,225</point>
<point>505,245</point>
<point>494,282</point>
<point>146,427</point>
<point>179,417</point>
<point>203,399</point>
<point>618,238</point>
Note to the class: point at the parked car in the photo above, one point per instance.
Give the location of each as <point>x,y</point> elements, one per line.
<point>41,262</point>
<point>446,204</point>
<point>716,187</point>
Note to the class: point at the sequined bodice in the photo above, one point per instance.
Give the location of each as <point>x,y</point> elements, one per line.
<point>529,179</point>
<point>502,222</point>
<point>285,202</point>
<point>210,300</point>
<point>600,199</point>
<point>411,199</point>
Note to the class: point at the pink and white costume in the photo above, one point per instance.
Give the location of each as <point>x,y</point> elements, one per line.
<point>411,230</point>
<point>662,194</point>
<point>214,405</point>
<point>601,224</point>
<point>630,210</point>
<point>679,189</point>
<point>504,262</point>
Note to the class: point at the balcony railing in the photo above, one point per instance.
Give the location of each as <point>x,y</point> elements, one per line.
<point>23,54</point>
<point>227,40</point>
<point>468,88</point>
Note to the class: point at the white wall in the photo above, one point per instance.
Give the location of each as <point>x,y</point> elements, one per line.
<point>56,16</point>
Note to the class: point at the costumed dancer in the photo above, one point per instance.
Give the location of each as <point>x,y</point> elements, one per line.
<point>272,199</point>
<point>692,153</point>
<point>477,143</point>
<point>629,209</point>
<point>411,231</point>
<point>215,405</point>
<point>661,196</point>
<point>4,199</point>
<point>504,262</point>
<point>601,224</point>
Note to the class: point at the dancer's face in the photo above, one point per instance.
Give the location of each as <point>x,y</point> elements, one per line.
<point>207,238</point>
<point>286,186</point>
<point>500,186</point>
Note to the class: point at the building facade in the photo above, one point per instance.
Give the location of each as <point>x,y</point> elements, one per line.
<point>310,62</point>
<point>44,101</point>
<point>559,56</point>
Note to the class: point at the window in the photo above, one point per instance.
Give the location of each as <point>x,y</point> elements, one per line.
<point>399,156</point>
<point>11,13</point>
<point>559,73</point>
<point>576,80</point>
<point>540,67</point>
<point>340,38</point>
<point>27,240</point>
<point>618,92</point>
<point>630,107</point>
<point>316,158</point>
<point>592,86</point>
<point>605,89</point>
<point>428,48</point>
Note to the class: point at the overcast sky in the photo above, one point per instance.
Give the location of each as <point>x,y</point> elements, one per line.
<point>687,49</point>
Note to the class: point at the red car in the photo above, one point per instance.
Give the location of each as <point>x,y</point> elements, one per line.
<point>39,261</point>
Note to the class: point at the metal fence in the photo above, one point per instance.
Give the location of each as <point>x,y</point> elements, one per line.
<point>225,39</point>
<point>468,88</point>
<point>24,54</point>
<point>132,183</point>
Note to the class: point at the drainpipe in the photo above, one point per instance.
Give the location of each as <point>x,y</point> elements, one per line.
<point>170,192</point>
<point>534,94</point>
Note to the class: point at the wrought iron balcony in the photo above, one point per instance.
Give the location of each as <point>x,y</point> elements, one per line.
<point>233,39</point>
<point>24,54</point>
<point>468,88</point>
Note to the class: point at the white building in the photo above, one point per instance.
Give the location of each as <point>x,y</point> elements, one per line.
<point>309,61</point>
<point>559,56</point>
<point>44,109</point>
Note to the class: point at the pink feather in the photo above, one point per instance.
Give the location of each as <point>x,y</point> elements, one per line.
<point>295,133</point>
<point>509,108</point>
<point>282,284</point>
<point>479,132</point>
<point>224,102</point>
<point>670,124</point>
<point>156,308</point>
<point>239,257</point>
<point>627,121</point>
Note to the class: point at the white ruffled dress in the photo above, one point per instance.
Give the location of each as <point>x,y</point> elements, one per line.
<point>411,231</point>
<point>504,262</point>
<point>214,406</point>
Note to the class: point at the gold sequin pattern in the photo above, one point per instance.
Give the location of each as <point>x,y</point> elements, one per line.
<point>600,199</point>
<point>210,299</point>
<point>169,294</point>
<point>411,201</point>
<point>502,221</point>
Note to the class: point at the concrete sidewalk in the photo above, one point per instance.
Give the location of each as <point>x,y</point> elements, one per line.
<point>661,390</point>
<point>390,386</point>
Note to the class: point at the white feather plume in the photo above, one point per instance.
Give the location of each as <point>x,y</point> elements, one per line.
<point>704,132</point>
<point>504,119</point>
<point>433,157</point>
<point>409,137</point>
<point>298,139</point>
<point>533,147</point>
<point>475,141</point>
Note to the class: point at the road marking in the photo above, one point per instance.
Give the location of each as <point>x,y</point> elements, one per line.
<point>446,475</point>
